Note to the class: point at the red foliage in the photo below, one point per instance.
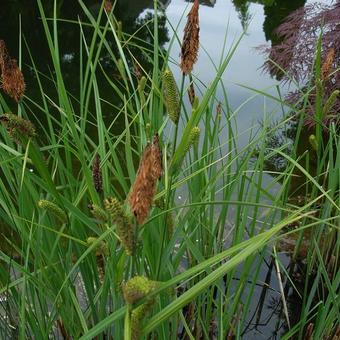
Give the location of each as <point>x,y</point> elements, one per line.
<point>293,58</point>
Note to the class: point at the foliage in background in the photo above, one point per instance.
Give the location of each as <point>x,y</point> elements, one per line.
<point>293,58</point>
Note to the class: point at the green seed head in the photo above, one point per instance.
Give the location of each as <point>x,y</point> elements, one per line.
<point>137,317</point>
<point>171,96</point>
<point>98,213</point>
<point>133,290</point>
<point>120,30</point>
<point>313,142</point>
<point>137,288</point>
<point>330,102</point>
<point>114,208</point>
<point>124,227</point>
<point>193,138</point>
<point>148,130</point>
<point>101,247</point>
<point>159,203</point>
<point>141,84</point>
<point>17,127</point>
<point>194,135</point>
<point>53,209</point>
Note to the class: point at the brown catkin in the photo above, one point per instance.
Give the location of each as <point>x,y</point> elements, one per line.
<point>12,79</point>
<point>327,65</point>
<point>190,44</point>
<point>137,71</point>
<point>108,6</point>
<point>219,110</point>
<point>143,190</point>
<point>97,174</point>
<point>191,93</point>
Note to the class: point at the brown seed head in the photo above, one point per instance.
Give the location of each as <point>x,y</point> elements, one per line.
<point>143,190</point>
<point>12,79</point>
<point>97,174</point>
<point>108,6</point>
<point>190,42</point>
<point>219,110</point>
<point>191,93</point>
<point>327,65</point>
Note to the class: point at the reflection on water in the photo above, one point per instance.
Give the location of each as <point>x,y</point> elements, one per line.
<point>27,11</point>
<point>133,15</point>
<point>275,13</point>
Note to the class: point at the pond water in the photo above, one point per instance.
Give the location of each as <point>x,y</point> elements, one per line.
<point>217,18</point>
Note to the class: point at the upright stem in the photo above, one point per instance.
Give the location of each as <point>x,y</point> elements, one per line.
<point>168,191</point>
<point>127,323</point>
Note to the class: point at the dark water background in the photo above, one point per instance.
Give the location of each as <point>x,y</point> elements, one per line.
<point>261,17</point>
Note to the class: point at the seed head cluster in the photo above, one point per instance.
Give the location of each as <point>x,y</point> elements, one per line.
<point>137,288</point>
<point>108,6</point>
<point>54,209</point>
<point>191,94</point>
<point>171,96</point>
<point>101,247</point>
<point>190,44</point>
<point>12,79</point>
<point>143,190</point>
<point>137,317</point>
<point>17,127</point>
<point>97,174</point>
<point>98,213</point>
<point>124,226</point>
<point>133,290</point>
<point>328,63</point>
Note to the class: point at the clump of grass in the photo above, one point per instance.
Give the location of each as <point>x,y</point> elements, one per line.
<point>201,256</point>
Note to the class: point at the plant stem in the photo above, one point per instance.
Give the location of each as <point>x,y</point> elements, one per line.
<point>127,323</point>
<point>168,192</point>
